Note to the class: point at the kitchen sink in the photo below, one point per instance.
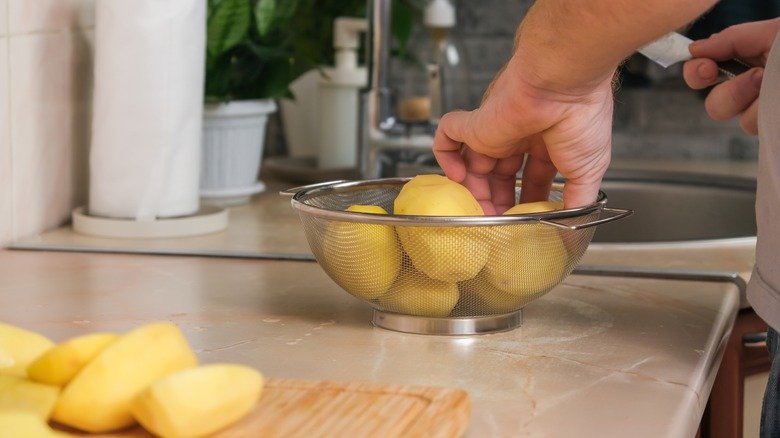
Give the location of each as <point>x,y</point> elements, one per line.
<point>678,207</point>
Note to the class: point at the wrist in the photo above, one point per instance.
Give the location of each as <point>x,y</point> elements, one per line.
<point>544,80</point>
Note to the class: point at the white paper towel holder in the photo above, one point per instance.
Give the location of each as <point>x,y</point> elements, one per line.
<point>205,221</point>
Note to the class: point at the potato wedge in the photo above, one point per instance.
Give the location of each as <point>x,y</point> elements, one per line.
<point>16,424</point>
<point>198,401</point>
<point>20,394</point>
<point>59,364</point>
<point>19,347</point>
<point>98,399</point>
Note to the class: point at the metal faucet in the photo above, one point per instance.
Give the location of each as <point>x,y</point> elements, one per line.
<point>384,141</point>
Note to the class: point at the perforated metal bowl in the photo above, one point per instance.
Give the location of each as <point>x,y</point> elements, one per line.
<point>442,274</point>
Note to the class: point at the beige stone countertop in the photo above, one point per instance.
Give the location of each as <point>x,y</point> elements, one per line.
<point>727,255</point>
<point>597,356</point>
<point>265,227</point>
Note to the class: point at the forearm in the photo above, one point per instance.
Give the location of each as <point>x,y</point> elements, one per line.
<point>566,45</point>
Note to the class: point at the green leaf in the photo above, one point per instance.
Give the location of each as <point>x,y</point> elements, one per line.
<point>402,24</point>
<point>265,11</point>
<point>227,25</point>
<point>285,11</point>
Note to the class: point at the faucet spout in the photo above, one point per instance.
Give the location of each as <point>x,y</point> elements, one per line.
<point>381,145</point>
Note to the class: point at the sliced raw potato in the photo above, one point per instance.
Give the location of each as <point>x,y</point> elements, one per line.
<point>364,259</point>
<point>448,254</point>
<point>98,399</point>
<point>18,424</point>
<point>59,364</point>
<point>526,259</point>
<point>415,293</point>
<point>19,347</point>
<point>20,394</point>
<point>198,401</point>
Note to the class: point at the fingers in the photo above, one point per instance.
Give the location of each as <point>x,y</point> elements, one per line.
<point>749,119</point>
<point>447,144</point>
<point>700,73</point>
<point>477,178</point>
<point>734,96</point>
<point>538,176</point>
<point>502,182</point>
<point>747,41</point>
<point>578,193</point>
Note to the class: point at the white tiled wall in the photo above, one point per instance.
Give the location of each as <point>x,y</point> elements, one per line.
<point>45,84</point>
<point>3,18</point>
<point>28,16</point>
<point>6,192</point>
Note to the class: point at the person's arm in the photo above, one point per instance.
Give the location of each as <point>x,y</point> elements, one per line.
<point>550,108</point>
<point>567,45</point>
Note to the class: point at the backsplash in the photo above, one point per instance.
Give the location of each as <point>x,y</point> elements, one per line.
<point>45,92</point>
<point>666,120</point>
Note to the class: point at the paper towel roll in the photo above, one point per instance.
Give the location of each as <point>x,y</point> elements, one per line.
<point>147,108</point>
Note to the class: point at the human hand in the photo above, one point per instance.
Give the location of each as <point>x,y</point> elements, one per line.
<point>551,131</point>
<point>749,42</point>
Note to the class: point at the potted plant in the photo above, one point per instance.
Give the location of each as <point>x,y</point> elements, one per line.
<point>251,60</point>
<point>314,44</point>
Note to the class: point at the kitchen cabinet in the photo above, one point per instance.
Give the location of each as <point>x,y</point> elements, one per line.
<point>723,417</point>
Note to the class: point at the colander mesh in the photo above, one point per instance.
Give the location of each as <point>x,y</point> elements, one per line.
<point>463,271</point>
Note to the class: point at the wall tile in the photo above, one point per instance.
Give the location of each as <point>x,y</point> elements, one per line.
<point>26,16</point>
<point>3,17</point>
<point>6,210</point>
<point>51,82</point>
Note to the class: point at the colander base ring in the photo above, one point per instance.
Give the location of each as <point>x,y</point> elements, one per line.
<point>423,325</point>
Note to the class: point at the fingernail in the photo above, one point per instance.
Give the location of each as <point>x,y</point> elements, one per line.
<point>705,71</point>
<point>696,44</point>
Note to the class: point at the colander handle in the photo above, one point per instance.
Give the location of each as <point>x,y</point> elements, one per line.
<point>614,214</point>
<point>293,190</point>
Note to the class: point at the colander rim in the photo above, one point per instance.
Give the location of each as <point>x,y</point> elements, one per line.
<point>303,193</point>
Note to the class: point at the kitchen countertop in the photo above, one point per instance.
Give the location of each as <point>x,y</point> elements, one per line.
<point>597,356</point>
<point>727,255</point>
<point>267,227</point>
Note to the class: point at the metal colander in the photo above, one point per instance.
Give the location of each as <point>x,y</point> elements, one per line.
<point>442,274</point>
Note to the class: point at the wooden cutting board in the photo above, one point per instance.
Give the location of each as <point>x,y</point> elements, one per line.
<point>298,408</point>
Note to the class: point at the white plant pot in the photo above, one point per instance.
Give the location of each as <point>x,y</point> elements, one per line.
<point>233,140</point>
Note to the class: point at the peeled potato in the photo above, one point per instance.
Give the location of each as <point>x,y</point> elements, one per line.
<point>18,424</point>
<point>490,300</point>
<point>417,294</point>
<point>59,364</point>
<point>98,399</point>
<point>20,394</point>
<point>448,254</point>
<point>526,259</point>
<point>19,347</point>
<point>198,401</point>
<point>364,259</point>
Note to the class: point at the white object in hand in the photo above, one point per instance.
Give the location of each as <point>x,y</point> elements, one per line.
<point>668,50</point>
